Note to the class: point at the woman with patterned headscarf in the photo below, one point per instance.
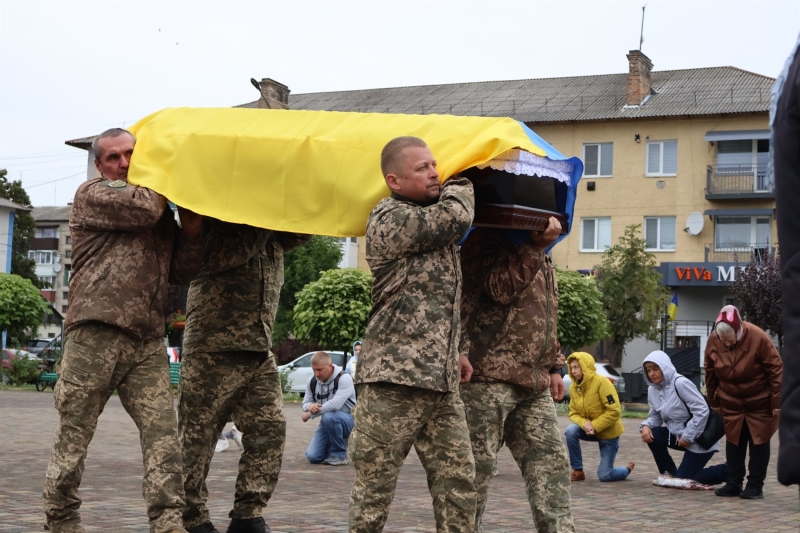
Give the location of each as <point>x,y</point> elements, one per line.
<point>743,381</point>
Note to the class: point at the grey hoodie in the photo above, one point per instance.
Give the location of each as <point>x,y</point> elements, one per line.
<point>666,408</point>
<point>344,400</point>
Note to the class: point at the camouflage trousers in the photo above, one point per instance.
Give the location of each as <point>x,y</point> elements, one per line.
<point>529,425</point>
<point>97,360</point>
<point>216,387</point>
<point>389,420</point>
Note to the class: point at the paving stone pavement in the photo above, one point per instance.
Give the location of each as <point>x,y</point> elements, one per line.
<point>314,498</point>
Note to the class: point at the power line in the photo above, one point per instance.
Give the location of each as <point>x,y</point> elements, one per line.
<point>53,181</point>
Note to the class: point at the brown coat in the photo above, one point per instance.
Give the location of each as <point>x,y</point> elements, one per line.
<point>509,310</point>
<point>126,248</point>
<point>744,383</point>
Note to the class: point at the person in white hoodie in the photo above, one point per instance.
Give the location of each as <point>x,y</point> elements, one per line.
<point>678,415</point>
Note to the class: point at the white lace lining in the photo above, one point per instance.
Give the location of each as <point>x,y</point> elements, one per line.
<point>520,162</point>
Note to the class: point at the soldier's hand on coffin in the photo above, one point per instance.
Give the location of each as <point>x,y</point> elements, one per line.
<point>543,239</point>
<point>190,221</point>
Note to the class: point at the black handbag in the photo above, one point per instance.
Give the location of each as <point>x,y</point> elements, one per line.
<point>715,427</point>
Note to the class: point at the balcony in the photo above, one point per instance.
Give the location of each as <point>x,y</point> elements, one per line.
<point>738,253</point>
<point>43,243</point>
<point>737,182</point>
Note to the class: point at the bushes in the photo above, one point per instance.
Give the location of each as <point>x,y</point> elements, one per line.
<point>22,371</point>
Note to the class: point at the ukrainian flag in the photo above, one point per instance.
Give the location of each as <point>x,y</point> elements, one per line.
<point>672,309</point>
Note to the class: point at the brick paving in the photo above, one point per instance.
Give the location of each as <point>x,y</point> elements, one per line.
<point>313,499</point>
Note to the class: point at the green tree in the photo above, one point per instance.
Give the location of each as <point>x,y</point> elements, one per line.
<point>333,311</point>
<point>757,290</point>
<point>581,318</point>
<point>302,265</point>
<point>24,229</point>
<point>21,308</point>
<point>633,298</point>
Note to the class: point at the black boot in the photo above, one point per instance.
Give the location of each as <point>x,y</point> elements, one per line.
<point>208,527</point>
<point>751,492</point>
<point>730,490</point>
<point>248,525</point>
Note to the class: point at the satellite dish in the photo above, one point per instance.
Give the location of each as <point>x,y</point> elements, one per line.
<point>56,268</point>
<point>694,223</point>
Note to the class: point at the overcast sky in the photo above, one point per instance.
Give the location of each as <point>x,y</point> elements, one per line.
<point>73,69</point>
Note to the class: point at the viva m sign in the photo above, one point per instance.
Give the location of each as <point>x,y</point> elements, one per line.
<point>699,274</point>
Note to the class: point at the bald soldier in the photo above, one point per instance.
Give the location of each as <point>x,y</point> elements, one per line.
<point>126,247</point>
<point>409,368</point>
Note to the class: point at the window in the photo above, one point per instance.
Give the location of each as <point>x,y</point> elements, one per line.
<point>66,295</point>
<point>69,239</point>
<point>744,157</point>
<point>595,234</point>
<point>49,282</point>
<point>68,253</point>
<point>599,159</point>
<point>67,274</point>
<point>46,233</point>
<point>64,308</point>
<point>662,158</point>
<point>659,233</point>
<point>732,233</point>
<point>41,257</point>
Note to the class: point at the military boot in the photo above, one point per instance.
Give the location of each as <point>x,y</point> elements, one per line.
<point>208,527</point>
<point>248,525</point>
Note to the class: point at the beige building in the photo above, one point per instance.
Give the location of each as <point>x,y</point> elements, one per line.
<point>51,249</point>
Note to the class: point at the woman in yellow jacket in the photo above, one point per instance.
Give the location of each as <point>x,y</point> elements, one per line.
<point>594,410</point>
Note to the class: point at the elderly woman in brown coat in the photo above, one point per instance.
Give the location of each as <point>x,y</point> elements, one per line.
<point>743,381</point>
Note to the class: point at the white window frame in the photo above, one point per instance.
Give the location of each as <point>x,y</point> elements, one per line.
<point>595,250</point>
<point>753,231</point>
<point>38,254</point>
<point>661,162</point>
<point>599,160</point>
<point>658,234</point>
<point>48,279</point>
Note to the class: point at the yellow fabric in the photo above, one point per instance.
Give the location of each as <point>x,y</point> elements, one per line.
<point>594,399</point>
<point>305,171</point>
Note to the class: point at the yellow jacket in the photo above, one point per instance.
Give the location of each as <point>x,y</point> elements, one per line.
<point>594,399</point>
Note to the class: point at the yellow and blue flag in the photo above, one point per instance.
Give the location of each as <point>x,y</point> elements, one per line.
<point>672,309</point>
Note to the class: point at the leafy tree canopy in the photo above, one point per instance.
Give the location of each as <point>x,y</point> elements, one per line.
<point>24,229</point>
<point>633,298</point>
<point>333,311</point>
<point>302,265</point>
<point>581,318</point>
<point>757,290</point>
<point>21,308</point>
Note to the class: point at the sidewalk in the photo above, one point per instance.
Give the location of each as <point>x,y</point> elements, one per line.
<point>314,498</point>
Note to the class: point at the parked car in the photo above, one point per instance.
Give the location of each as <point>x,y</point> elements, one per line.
<point>605,370</point>
<point>299,370</point>
<point>35,346</point>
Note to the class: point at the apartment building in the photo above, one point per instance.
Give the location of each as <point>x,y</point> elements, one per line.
<point>51,249</point>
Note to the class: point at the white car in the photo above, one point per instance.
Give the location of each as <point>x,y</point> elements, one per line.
<point>299,370</point>
<point>603,369</point>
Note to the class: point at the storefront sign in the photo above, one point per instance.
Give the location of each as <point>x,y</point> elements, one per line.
<point>699,274</point>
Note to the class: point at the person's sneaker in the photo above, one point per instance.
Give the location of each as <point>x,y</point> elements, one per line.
<point>248,525</point>
<point>577,475</point>
<point>752,493</point>
<point>730,490</point>
<point>207,527</point>
<point>222,445</point>
<point>237,437</point>
<point>334,461</point>
<point>629,465</point>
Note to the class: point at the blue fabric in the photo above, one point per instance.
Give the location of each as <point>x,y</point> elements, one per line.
<point>692,465</point>
<point>330,439</point>
<point>608,452</point>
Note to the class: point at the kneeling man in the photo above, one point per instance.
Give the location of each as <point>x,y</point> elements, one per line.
<point>330,396</point>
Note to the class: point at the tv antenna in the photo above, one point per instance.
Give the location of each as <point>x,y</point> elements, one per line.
<point>641,34</point>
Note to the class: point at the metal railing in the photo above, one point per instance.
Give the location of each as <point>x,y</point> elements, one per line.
<point>737,180</point>
<point>738,253</point>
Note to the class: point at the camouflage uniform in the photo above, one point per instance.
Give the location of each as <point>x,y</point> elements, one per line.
<point>227,369</point>
<point>126,247</point>
<point>408,368</point>
<point>509,310</point>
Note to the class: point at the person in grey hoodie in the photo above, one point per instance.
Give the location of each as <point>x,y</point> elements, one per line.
<point>330,395</point>
<point>678,415</point>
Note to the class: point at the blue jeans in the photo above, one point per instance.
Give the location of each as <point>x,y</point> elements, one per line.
<point>330,439</point>
<point>608,452</point>
<point>692,466</point>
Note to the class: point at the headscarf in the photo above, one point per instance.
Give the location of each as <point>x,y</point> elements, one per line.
<point>730,315</point>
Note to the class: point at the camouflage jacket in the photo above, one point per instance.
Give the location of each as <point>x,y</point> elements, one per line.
<point>413,333</point>
<point>233,300</point>
<point>509,310</point>
<point>126,248</point>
